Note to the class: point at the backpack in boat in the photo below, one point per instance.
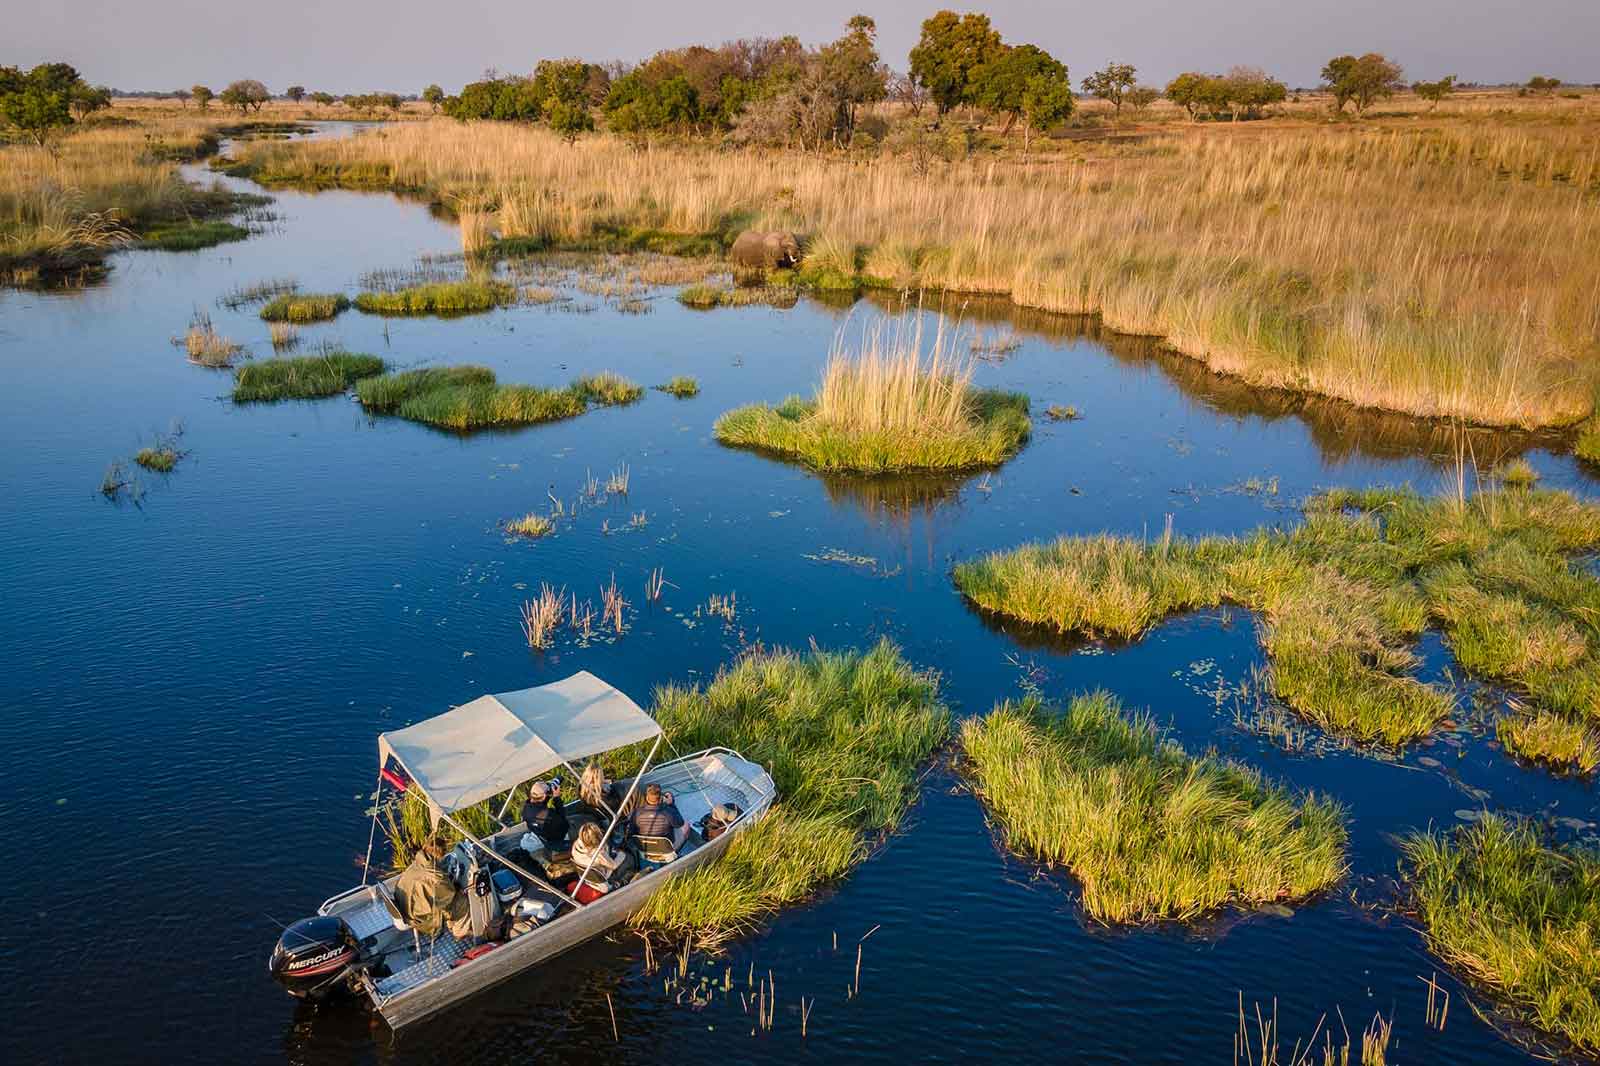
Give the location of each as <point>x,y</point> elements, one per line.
<point>483,904</point>
<point>716,822</point>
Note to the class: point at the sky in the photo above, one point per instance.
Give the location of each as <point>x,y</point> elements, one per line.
<point>402,45</point>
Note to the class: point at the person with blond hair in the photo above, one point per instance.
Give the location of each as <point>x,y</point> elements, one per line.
<point>591,848</point>
<point>597,793</point>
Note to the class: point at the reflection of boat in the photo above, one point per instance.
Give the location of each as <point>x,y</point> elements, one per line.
<point>360,940</point>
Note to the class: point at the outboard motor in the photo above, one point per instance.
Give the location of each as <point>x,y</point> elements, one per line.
<point>314,957</point>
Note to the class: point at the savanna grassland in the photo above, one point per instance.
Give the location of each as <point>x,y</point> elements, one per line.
<point>1401,263</point>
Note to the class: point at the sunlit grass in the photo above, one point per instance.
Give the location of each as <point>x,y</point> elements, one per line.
<point>438,298</point>
<point>189,236</point>
<point>1518,915</point>
<point>305,377</point>
<point>888,408</point>
<point>469,397</point>
<point>842,734</point>
<point>682,387</point>
<point>160,458</point>
<point>530,525</point>
<point>1344,595</point>
<point>1149,831</point>
<point>304,307</point>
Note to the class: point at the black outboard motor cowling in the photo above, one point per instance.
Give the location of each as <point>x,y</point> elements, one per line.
<point>313,957</point>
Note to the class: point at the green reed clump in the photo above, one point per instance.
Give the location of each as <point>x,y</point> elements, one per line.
<point>704,296</point>
<point>1587,446</point>
<point>842,734</point>
<point>1517,915</point>
<point>303,378</point>
<point>160,458</point>
<point>888,409</point>
<point>1149,831</point>
<point>305,307</point>
<point>438,298</point>
<point>531,525</point>
<point>1344,596</point>
<point>192,234</point>
<point>469,397</point>
<point>681,387</point>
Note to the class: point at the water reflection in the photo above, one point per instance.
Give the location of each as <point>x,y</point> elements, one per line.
<point>896,499</point>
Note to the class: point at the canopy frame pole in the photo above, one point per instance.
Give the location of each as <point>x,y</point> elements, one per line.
<point>617,817</point>
<point>372,833</point>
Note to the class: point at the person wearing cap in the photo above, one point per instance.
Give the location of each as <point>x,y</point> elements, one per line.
<point>428,898</point>
<point>546,816</point>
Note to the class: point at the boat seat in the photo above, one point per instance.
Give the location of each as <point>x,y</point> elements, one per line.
<point>658,850</point>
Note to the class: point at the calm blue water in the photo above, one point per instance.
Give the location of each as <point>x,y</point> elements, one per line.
<point>195,680</point>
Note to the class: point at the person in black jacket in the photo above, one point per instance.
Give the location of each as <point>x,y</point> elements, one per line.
<point>545,815</point>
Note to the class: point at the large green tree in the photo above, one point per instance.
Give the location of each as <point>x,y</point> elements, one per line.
<point>39,103</point>
<point>1435,91</point>
<point>950,49</point>
<point>245,94</point>
<point>202,96</point>
<point>1017,80</point>
<point>1361,80</point>
<point>1112,83</point>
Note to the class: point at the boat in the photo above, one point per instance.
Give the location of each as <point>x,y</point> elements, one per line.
<point>360,940</point>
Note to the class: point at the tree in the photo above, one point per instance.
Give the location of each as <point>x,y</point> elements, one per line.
<point>569,118</point>
<point>1046,101</point>
<point>295,93</point>
<point>1435,91</point>
<point>952,47</point>
<point>1543,85</point>
<point>1142,96</point>
<point>202,96</point>
<point>1361,81</point>
<point>38,103</point>
<point>1002,84</point>
<point>325,99</point>
<point>1186,91</point>
<point>635,108</point>
<point>85,99</point>
<point>1112,83</point>
<point>1250,89</point>
<point>851,72</point>
<point>434,96</point>
<point>245,94</point>
<point>182,96</point>
<point>906,90</point>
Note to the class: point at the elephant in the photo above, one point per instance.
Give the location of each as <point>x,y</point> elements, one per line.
<point>754,250</point>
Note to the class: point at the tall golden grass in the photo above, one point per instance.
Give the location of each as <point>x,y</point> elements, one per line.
<point>888,385</point>
<point>1443,269</point>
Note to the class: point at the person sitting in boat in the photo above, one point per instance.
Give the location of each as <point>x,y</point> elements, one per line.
<point>609,863</point>
<point>598,793</point>
<point>658,816</point>
<point>546,816</point>
<point>428,898</point>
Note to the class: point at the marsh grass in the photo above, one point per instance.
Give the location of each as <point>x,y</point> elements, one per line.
<point>285,336</point>
<point>303,378</point>
<point>1407,267</point>
<point>438,298</point>
<point>191,235</point>
<point>1517,915</point>
<point>1150,832</point>
<point>160,458</point>
<point>304,307</point>
<point>468,397</point>
<point>242,296</point>
<point>1343,597</point>
<point>682,387</point>
<point>531,525</point>
<point>888,408</point>
<point>704,296</point>
<point>842,733</point>
<point>205,346</point>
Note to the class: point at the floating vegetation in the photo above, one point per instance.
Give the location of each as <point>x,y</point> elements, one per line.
<point>541,616</point>
<point>1516,914</point>
<point>887,409</point>
<point>191,235</point>
<point>723,607</point>
<point>438,298</point>
<point>303,378</point>
<point>1345,595</point>
<point>996,345</point>
<point>843,734</point>
<point>242,296</point>
<point>1516,474</point>
<point>305,307</point>
<point>468,397</point>
<point>1257,1041</point>
<point>531,525</point>
<point>704,296</point>
<point>285,336</point>
<point>114,480</point>
<point>207,347</point>
<point>161,458</point>
<point>1149,831</point>
<point>1058,413</point>
<point>681,387</point>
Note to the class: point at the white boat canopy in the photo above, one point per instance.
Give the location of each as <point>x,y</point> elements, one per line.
<point>495,743</point>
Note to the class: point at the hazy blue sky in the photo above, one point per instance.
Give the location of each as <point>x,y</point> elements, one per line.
<point>404,44</point>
